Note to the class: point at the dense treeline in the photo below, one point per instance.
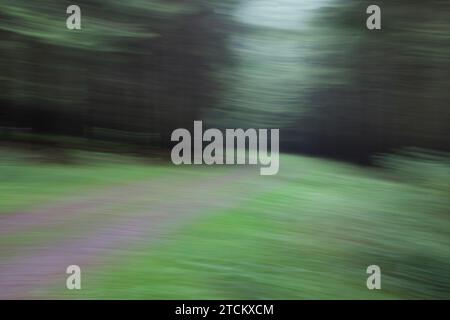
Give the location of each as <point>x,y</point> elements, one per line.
<point>138,69</point>
<point>386,89</point>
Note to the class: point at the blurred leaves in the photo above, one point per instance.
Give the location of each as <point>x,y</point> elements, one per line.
<point>104,23</point>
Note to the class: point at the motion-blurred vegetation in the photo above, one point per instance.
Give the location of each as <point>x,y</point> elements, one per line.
<point>140,68</point>
<point>311,235</point>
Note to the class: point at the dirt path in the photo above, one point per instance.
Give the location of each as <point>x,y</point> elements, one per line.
<point>90,229</point>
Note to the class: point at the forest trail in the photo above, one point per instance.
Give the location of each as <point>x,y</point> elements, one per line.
<point>90,230</point>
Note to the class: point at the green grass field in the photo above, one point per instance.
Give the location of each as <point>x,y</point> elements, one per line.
<point>310,236</point>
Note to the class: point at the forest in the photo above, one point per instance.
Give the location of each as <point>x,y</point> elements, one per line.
<point>86,117</point>
<point>138,71</point>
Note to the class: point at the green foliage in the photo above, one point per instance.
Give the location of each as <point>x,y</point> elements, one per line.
<point>429,169</point>
<point>104,23</point>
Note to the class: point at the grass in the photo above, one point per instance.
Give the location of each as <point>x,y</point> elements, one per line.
<point>28,180</point>
<point>311,236</point>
